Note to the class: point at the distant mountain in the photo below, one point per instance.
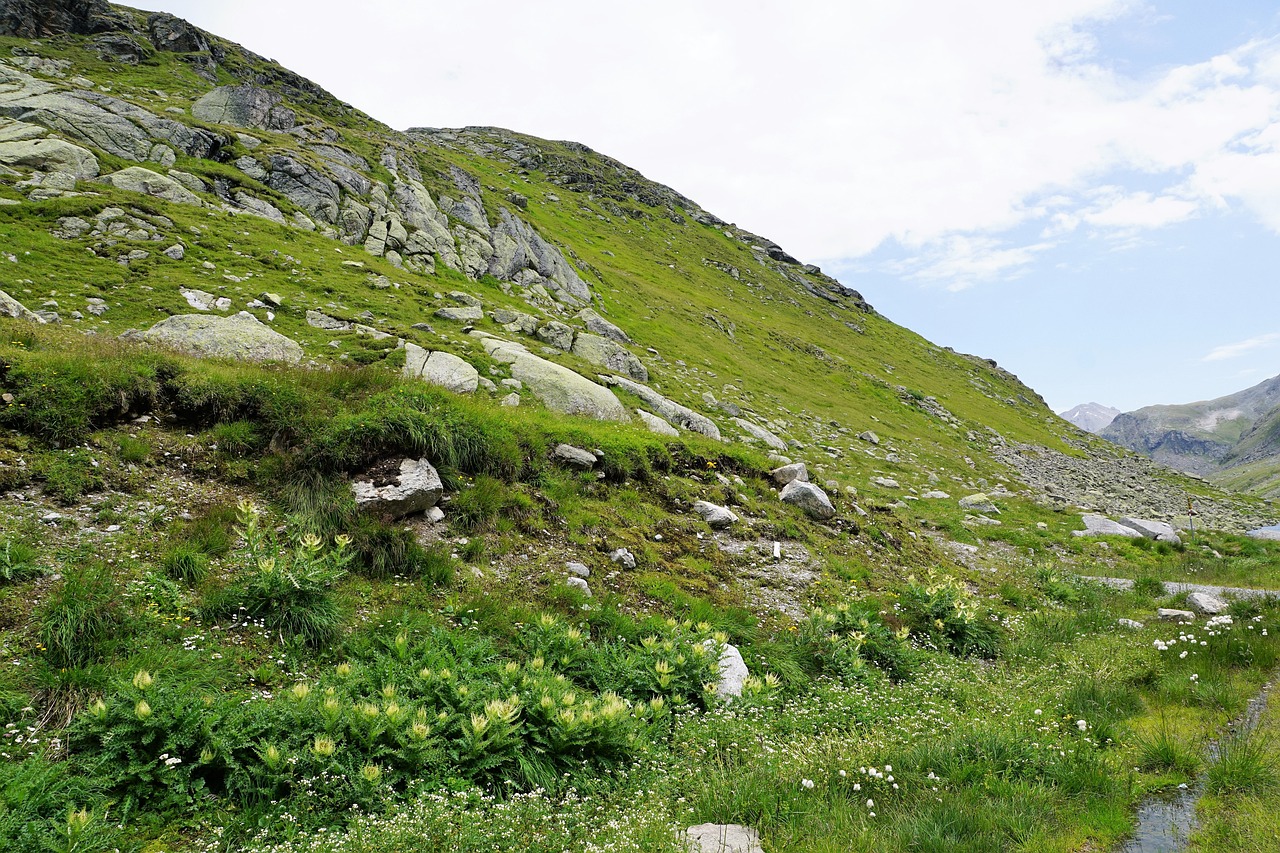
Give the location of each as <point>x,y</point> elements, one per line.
<point>1091,417</point>
<point>1233,439</point>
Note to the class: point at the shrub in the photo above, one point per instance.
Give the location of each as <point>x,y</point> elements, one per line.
<point>845,638</point>
<point>81,617</point>
<point>947,613</point>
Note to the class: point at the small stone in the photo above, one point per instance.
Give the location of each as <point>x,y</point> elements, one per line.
<point>510,401</point>
<point>717,517</point>
<point>1168,614</point>
<point>1206,604</point>
<point>578,569</point>
<point>885,482</point>
<point>574,457</point>
<point>435,515</point>
<point>623,557</point>
<point>1131,624</point>
<point>723,838</point>
<point>175,252</point>
<point>579,584</point>
<point>791,471</point>
<point>869,437</point>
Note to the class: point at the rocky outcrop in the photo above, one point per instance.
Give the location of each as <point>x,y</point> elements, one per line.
<point>1100,525</point>
<point>598,325</point>
<point>141,180</point>
<point>559,388</point>
<point>518,247</point>
<point>244,106</point>
<point>50,155</point>
<point>241,336</point>
<point>668,410</point>
<point>34,19</point>
<point>171,33</point>
<point>608,354</point>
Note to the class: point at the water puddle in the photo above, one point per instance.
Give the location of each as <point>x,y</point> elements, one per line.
<point>1168,817</point>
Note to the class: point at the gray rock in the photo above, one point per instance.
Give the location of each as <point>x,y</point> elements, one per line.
<point>623,557</point>
<point>412,487</point>
<point>524,323</point>
<point>574,457</point>
<point>440,368</point>
<point>598,325</point>
<point>1206,604</point>
<point>936,494</point>
<point>885,482</point>
<point>140,180</point>
<point>1168,614</point>
<point>204,301</point>
<point>1100,525</point>
<point>578,569</point>
<point>517,246</point>
<point>255,206</point>
<point>723,838</point>
<point>812,499</point>
<point>672,412</point>
<point>50,155</point>
<point>732,671</point>
<point>244,106</point>
<point>510,401</point>
<point>318,320</point>
<point>558,387</point>
<point>1158,530</point>
<point>10,307</point>
<point>241,336</point>
<point>461,314</point>
<point>786,473</point>
<point>175,252</point>
<point>556,334</point>
<point>464,298</point>
<point>609,354</point>
<point>579,584</point>
<point>305,186</point>
<point>171,33</point>
<point>435,515</point>
<point>760,433</point>
<point>978,502</point>
<point>655,424</point>
<point>717,517</point>
<point>869,436</point>
<point>1131,624</point>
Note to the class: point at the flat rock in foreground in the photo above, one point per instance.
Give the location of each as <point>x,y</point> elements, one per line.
<point>241,336</point>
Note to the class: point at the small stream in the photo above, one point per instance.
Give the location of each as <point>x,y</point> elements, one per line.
<point>1167,817</point>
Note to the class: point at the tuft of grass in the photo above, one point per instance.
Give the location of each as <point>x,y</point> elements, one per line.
<point>1246,763</point>
<point>185,562</point>
<point>81,617</point>
<point>17,561</point>
<point>1164,751</point>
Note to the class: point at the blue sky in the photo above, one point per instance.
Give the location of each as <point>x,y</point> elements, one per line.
<point>1087,191</point>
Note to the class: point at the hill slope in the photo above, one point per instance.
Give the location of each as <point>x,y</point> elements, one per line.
<point>369,489</point>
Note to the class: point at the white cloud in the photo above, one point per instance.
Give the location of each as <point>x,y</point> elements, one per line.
<point>962,261</point>
<point>1239,348</point>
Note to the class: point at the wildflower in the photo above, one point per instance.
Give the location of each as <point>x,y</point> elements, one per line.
<point>371,773</point>
<point>807,784</point>
<point>871,804</point>
<point>1081,725</point>
<point>142,710</point>
<point>142,679</point>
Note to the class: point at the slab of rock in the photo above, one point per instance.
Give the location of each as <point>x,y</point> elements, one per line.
<point>1168,614</point>
<point>978,502</point>
<point>786,473</point>
<point>558,387</point>
<point>50,155</point>
<point>1100,525</point>
<point>244,106</point>
<point>515,321</point>
<point>1206,604</point>
<point>810,498</point>
<point>717,517</point>
<point>241,336</point>
<point>461,314</point>
<point>732,670</point>
<point>885,482</point>
<point>579,584</point>
<point>936,494</point>
<point>653,423</point>
<point>556,334</point>
<point>869,436</point>
<point>580,570</point>
<point>139,180</point>
<point>723,838</point>
<point>1158,530</point>
<point>672,412</point>
<point>398,489</point>
<point>440,368</point>
<point>760,433</point>
<point>574,457</point>
<point>1131,624</point>
<point>609,354</point>
<point>10,307</point>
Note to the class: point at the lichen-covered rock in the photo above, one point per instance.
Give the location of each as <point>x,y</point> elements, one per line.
<point>760,433</point>
<point>669,410</point>
<point>810,498</point>
<point>1206,604</point>
<point>978,502</point>
<point>461,314</point>
<point>786,473</point>
<point>10,307</point>
<point>140,180</point>
<point>241,336</point>
<point>558,387</point>
<point>1159,530</point>
<point>244,106</point>
<point>50,155</point>
<point>440,368</point>
<point>655,424</point>
<point>1100,525</point>
<point>610,354</point>
<point>398,488</point>
<point>556,334</point>
<point>598,325</point>
<point>574,457</point>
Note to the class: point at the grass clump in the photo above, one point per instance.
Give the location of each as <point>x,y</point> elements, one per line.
<point>82,617</point>
<point>17,561</point>
<point>1246,763</point>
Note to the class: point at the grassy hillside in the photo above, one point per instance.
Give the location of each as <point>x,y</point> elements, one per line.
<point>210,646</point>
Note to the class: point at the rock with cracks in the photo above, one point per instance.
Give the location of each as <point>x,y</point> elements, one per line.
<point>809,498</point>
<point>723,838</point>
